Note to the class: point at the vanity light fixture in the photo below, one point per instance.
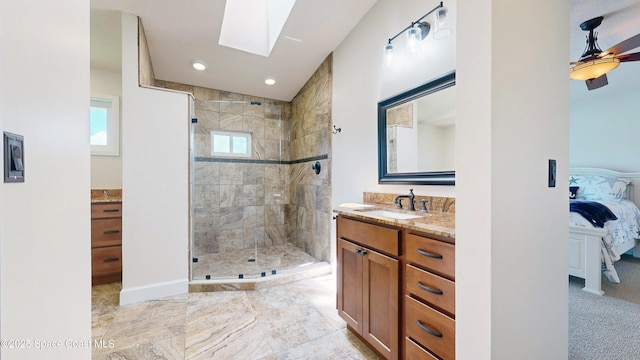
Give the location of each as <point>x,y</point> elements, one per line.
<point>418,30</point>
<point>199,65</point>
<point>269,81</point>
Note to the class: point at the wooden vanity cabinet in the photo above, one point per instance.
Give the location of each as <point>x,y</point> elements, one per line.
<point>106,242</point>
<point>386,274</point>
<point>429,301</point>
<point>368,283</point>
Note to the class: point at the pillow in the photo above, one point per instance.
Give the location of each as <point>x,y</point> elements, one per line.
<point>573,191</point>
<point>599,187</point>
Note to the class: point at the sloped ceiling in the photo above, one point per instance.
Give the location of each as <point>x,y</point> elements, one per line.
<point>181,31</point>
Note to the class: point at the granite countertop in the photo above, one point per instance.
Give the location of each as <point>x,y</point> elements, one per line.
<point>437,223</point>
<point>106,195</point>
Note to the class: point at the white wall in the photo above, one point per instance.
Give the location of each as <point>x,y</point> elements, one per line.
<point>440,141</point>
<point>106,171</point>
<point>511,262</point>
<point>604,124</point>
<point>511,229</point>
<point>407,143</point>
<point>155,147</point>
<point>45,224</point>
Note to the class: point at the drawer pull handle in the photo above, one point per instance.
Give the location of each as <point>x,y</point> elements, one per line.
<point>431,255</point>
<point>361,252</point>
<point>430,331</point>
<point>426,288</point>
<point>111,210</point>
<point>111,232</point>
<point>110,260</point>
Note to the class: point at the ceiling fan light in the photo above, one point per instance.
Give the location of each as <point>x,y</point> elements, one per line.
<point>593,69</point>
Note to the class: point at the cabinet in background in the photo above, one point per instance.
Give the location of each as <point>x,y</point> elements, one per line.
<point>106,242</point>
<point>368,283</point>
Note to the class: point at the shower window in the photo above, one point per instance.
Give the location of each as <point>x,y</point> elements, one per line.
<point>227,143</point>
<point>104,120</point>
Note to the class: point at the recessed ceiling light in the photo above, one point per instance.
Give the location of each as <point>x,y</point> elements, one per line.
<point>199,65</point>
<point>269,81</point>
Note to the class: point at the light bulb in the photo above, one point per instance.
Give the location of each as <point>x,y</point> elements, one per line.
<point>388,54</point>
<point>442,26</point>
<point>414,35</point>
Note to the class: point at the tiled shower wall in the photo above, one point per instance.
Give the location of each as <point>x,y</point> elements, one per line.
<point>310,142</point>
<point>275,196</point>
<point>238,202</point>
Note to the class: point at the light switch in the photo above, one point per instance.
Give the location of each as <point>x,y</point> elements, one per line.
<point>552,173</point>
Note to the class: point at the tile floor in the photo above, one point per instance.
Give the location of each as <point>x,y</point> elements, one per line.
<point>297,320</point>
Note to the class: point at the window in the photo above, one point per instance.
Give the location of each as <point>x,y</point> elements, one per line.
<point>228,143</point>
<point>104,126</point>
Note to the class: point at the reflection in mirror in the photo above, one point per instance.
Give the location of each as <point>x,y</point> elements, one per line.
<point>417,134</point>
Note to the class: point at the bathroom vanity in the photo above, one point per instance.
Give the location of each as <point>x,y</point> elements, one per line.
<point>106,238</point>
<point>396,280</point>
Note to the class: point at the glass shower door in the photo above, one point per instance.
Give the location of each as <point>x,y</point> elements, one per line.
<point>238,203</point>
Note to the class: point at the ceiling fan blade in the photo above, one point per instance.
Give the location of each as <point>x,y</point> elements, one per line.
<point>597,82</point>
<point>629,44</point>
<point>629,57</point>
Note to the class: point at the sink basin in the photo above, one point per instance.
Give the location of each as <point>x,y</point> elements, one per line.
<point>390,214</point>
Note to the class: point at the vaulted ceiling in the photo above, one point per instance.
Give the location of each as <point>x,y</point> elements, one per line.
<point>181,31</point>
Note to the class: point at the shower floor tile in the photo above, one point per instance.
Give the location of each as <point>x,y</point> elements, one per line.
<point>250,262</point>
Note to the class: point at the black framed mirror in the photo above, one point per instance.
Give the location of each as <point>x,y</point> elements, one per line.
<point>416,135</point>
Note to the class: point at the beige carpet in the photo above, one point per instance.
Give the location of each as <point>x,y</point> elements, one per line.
<point>629,288</point>
<point>606,327</point>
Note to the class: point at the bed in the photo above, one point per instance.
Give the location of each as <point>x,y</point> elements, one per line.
<point>594,250</point>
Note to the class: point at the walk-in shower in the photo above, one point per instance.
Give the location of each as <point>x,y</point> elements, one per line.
<point>242,214</point>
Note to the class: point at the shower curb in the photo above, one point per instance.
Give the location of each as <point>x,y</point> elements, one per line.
<point>287,276</point>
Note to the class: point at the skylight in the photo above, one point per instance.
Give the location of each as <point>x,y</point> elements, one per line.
<point>254,25</point>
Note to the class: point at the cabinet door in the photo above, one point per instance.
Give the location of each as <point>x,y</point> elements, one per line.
<point>349,285</point>
<point>380,302</point>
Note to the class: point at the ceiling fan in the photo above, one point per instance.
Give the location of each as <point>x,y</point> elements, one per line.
<point>595,63</point>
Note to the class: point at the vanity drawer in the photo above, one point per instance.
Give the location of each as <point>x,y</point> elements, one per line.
<point>414,351</point>
<point>431,288</point>
<point>437,256</point>
<point>430,328</point>
<point>376,237</point>
<point>100,211</point>
<point>106,260</point>
<point>106,232</point>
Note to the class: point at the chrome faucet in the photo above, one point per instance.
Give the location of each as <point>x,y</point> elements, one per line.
<point>411,196</point>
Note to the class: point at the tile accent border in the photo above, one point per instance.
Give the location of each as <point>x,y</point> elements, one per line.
<point>260,161</point>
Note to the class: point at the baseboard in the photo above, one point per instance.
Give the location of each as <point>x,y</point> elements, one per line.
<point>137,294</point>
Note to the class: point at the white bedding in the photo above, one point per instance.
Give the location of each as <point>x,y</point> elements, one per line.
<point>618,232</point>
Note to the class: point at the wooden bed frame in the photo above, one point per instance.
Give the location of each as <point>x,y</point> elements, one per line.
<point>585,242</point>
